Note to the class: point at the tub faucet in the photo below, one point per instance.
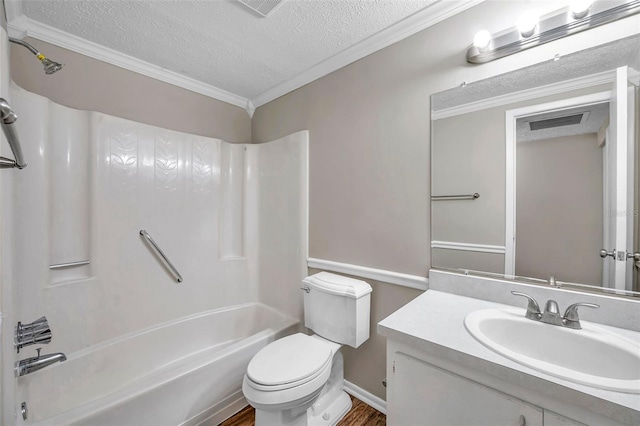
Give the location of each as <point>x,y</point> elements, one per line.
<point>36,363</point>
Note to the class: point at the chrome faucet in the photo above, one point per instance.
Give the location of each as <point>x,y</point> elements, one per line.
<point>36,363</point>
<point>551,314</point>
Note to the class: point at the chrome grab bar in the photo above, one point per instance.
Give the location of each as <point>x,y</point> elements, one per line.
<point>7,121</point>
<point>159,252</point>
<point>69,265</point>
<point>473,196</point>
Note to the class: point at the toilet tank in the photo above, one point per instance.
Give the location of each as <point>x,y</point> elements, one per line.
<point>337,308</point>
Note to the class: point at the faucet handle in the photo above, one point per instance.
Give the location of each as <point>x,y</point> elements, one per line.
<point>533,309</point>
<point>571,314</point>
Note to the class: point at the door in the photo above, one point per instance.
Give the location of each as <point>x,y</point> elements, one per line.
<point>619,184</point>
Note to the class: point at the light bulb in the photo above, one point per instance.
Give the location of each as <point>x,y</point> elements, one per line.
<point>482,39</point>
<point>580,8</point>
<point>527,24</point>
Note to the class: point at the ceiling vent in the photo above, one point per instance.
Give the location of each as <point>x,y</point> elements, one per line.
<point>549,123</point>
<point>262,7</point>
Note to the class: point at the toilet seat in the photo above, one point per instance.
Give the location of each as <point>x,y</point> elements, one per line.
<point>289,362</point>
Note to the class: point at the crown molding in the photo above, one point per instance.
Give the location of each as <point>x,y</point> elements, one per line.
<point>250,108</point>
<point>425,18</point>
<point>22,26</point>
<point>25,26</point>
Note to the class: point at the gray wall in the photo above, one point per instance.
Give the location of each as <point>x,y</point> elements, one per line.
<point>370,151</point>
<point>559,209</point>
<point>89,84</point>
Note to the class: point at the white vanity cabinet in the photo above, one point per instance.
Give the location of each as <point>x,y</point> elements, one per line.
<point>428,395</point>
<point>553,419</point>
<point>426,391</point>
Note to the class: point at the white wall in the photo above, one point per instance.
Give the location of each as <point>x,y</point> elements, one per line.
<point>283,207</point>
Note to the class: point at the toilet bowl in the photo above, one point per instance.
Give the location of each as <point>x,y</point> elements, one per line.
<point>298,380</point>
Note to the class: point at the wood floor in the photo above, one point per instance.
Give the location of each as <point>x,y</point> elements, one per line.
<point>360,415</point>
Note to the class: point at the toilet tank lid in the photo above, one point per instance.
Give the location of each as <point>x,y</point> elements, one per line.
<point>338,285</point>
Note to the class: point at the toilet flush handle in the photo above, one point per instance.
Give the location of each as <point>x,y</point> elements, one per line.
<point>306,289</point>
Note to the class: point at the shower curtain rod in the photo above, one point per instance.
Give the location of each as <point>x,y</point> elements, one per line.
<point>7,121</point>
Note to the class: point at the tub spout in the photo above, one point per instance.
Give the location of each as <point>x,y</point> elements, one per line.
<point>36,363</point>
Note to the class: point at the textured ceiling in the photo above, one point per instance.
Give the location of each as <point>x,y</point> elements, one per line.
<point>222,42</point>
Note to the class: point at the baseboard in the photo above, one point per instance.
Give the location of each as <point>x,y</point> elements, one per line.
<point>220,412</point>
<point>366,397</point>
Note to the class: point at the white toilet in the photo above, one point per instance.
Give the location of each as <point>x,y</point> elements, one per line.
<point>298,380</point>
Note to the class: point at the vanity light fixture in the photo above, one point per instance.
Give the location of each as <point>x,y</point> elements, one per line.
<point>527,24</point>
<point>482,39</point>
<point>580,8</point>
<point>531,31</point>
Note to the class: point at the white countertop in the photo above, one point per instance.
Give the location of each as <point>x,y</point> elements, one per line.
<point>434,322</point>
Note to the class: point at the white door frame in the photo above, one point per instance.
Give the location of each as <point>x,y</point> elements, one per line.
<point>510,125</point>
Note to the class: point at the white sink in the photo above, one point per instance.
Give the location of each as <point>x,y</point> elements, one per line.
<point>592,356</point>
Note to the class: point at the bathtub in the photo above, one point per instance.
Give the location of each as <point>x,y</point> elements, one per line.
<point>185,372</point>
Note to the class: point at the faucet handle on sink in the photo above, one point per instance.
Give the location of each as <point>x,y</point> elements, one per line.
<point>533,309</point>
<point>571,318</point>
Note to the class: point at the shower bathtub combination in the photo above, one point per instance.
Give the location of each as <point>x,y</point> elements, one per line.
<point>185,372</point>
<point>144,343</point>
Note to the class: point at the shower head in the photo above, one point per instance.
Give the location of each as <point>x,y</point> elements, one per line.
<point>49,66</point>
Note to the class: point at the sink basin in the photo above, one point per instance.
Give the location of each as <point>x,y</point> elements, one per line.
<point>592,356</point>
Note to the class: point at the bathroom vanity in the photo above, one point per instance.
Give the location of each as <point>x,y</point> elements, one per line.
<point>439,374</point>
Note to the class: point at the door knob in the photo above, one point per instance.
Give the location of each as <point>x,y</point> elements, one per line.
<point>604,253</point>
<point>635,256</point>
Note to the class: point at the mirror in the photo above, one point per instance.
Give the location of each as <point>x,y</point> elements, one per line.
<point>535,172</point>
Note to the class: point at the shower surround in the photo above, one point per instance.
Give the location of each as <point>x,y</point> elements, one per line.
<point>232,218</point>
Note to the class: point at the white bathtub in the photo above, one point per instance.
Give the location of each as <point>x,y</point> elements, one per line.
<point>186,372</point>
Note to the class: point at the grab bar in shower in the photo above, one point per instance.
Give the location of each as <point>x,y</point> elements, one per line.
<point>69,265</point>
<point>473,196</point>
<point>7,121</point>
<point>159,252</point>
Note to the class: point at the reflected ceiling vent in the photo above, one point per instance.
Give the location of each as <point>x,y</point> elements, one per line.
<point>263,7</point>
<point>549,123</point>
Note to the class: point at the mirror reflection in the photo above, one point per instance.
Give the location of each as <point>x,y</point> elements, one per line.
<point>556,170</point>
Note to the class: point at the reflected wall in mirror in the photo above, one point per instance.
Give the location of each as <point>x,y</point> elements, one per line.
<point>556,168</point>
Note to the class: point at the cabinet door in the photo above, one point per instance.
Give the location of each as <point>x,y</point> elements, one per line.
<point>429,396</point>
<point>553,419</point>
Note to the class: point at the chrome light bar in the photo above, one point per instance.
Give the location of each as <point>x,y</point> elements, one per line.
<point>552,27</point>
